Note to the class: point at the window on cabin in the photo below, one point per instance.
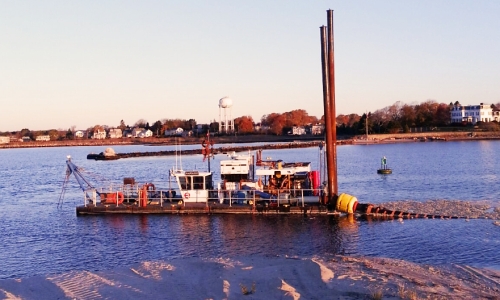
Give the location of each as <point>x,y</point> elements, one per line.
<point>185,182</point>
<point>209,183</point>
<point>197,182</point>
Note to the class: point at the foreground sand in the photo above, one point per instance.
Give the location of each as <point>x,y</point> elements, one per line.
<point>343,277</point>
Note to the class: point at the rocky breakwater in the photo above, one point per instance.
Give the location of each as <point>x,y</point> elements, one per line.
<point>218,150</point>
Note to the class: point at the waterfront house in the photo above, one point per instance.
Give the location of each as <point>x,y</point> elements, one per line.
<point>298,130</point>
<point>317,129</point>
<point>25,139</point>
<point>261,128</point>
<point>127,133</point>
<point>145,133</point>
<point>43,138</point>
<point>99,134</point>
<point>471,113</point>
<point>4,139</point>
<point>136,131</point>
<point>496,114</point>
<point>174,132</point>
<point>79,134</point>
<point>115,133</point>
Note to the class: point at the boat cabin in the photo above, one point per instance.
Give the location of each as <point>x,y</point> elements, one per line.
<point>194,185</point>
<point>236,170</point>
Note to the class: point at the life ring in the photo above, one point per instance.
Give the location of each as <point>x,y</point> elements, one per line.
<point>150,187</point>
<point>187,195</point>
<point>120,197</point>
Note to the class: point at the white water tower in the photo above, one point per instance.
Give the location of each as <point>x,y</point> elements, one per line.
<point>226,122</point>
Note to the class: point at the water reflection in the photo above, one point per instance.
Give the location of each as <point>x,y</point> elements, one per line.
<point>34,229</point>
<point>117,223</point>
<point>143,224</point>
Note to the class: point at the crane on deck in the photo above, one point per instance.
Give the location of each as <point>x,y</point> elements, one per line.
<point>89,191</point>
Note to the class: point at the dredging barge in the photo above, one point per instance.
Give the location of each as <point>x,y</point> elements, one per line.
<point>247,186</point>
<point>269,187</point>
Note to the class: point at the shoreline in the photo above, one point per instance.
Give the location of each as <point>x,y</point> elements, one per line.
<point>341,140</point>
<point>257,277</point>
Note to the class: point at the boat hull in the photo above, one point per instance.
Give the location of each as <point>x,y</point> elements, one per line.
<point>198,208</point>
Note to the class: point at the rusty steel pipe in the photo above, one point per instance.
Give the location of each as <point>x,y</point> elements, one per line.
<point>331,82</point>
<point>328,68</point>
<point>327,112</point>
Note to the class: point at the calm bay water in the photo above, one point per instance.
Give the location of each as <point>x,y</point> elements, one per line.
<point>38,238</point>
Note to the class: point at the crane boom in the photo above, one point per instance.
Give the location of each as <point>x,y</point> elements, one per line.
<point>73,169</point>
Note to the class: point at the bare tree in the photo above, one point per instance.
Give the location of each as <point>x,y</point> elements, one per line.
<point>140,123</point>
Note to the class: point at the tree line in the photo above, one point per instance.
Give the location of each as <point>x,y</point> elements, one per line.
<point>398,117</point>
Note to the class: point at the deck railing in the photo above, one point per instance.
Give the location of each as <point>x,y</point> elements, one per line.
<point>132,195</point>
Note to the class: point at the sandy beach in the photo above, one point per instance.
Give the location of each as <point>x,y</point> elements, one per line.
<point>344,277</point>
<point>257,277</point>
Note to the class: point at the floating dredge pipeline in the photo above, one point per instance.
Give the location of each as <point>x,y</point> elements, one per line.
<point>349,204</point>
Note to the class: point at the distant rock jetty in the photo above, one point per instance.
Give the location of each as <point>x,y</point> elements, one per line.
<point>219,150</point>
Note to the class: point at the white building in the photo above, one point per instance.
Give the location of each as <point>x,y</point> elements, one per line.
<point>317,129</point>
<point>115,133</point>
<point>79,134</point>
<point>145,133</point>
<point>99,134</point>
<point>298,130</point>
<point>471,113</point>
<point>136,131</point>
<point>174,132</point>
<point>43,138</point>
<point>4,139</point>
<point>496,115</point>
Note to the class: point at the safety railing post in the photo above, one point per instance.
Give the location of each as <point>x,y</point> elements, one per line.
<point>253,198</point>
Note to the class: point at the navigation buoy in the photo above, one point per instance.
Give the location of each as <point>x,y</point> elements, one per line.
<point>383,167</point>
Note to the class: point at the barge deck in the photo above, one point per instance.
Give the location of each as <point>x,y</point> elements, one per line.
<point>198,208</point>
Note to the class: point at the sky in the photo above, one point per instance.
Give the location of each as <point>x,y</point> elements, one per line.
<point>87,63</point>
